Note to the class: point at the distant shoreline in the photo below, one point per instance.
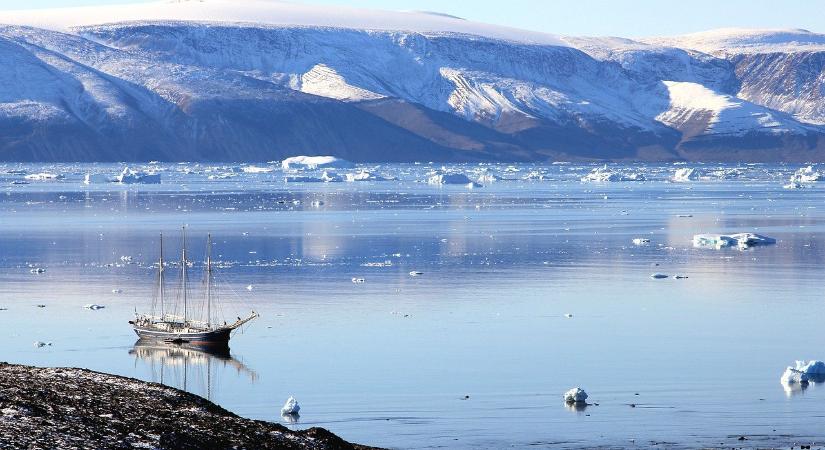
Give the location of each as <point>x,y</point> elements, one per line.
<point>72,408</point>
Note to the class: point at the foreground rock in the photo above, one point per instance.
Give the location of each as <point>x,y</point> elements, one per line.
<point>77,408</point>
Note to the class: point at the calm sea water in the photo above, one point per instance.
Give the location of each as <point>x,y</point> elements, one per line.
<point>477,351</point>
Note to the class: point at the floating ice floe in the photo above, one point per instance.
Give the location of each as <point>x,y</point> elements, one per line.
<point>302,179</point>
<point>315,162</point>
<point>44,176</point>
<point>487,177</point>
<point>803,178</point>
<point>256,169</point>
<point>641,241</point>
<point>358,280</point>
<point>451,178</point>
<point>604,175</point>
<point>687,174</point>
<point>291,407</point>
<point>364,176</point>
<point>117,291</point>
<point>575,395</point>
<point>741,240</point>
<point>93,306</point>
<point>534,176</point>
<point>331,177</point>
<point>129,176</point>
<point>96,178</point>
<point>416,273</point>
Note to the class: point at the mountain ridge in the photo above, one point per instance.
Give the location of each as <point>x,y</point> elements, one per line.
<point>216,90</point>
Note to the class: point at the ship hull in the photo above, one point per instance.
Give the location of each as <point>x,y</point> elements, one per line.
<point>219,337</point>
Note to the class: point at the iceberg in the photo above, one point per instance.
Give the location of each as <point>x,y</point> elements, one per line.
<point>331,177</point>
<point>129,176</point>
<point>605,175</point>
<point>256,169</point>
<point>741,240</point>
<point>44,176</point>
<point>687,174</point>
<point>575,395</point>
<point>364,176</point>
<point>802,177</point>
<point>451,178</point>
<point>315,162</point>
<point>291,407</point>
<point>95,178</point>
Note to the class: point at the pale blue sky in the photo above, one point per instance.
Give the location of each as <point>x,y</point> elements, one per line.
<point>582,17</point>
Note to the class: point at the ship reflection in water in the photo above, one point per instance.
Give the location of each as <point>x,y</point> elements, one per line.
<point>192,368</point>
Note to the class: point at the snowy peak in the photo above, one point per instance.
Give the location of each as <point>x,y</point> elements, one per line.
<point>746,41</point>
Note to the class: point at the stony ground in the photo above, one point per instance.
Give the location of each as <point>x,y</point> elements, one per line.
<point>80,409</point>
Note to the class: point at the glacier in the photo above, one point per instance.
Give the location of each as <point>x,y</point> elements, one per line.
<point>261,80</point>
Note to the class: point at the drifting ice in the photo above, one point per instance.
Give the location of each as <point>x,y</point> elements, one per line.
<point>331,177</point>
<point>641,241</point>
<point>742,240</point>
<point>291,407</point>
<point>687,174</point>
<point>575,395</point>
<point>95,178</point>
<point>803,177</point>
<point>452,178</point>
<point>129,176</point>
<point>603,174</point>
<point>44,176</point>
<point>364,176</point>
<point>315,162</point>
<point>256,169</point>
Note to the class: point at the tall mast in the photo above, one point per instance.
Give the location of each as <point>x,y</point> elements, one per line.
<point>160,277</point>
<point>208,279</point>
<point>183,273</point>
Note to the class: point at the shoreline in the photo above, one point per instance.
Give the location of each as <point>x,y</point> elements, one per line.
<point>80,408</point>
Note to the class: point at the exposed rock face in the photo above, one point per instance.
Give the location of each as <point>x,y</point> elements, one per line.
<point>76,408</point>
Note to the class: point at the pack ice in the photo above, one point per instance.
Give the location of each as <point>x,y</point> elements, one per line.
<point>741,240</point>
<point>315,162</point>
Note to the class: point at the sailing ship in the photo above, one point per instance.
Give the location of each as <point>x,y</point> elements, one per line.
<point>186,329</point>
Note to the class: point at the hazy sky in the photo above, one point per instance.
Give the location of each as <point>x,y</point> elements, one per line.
<point>582,17</point>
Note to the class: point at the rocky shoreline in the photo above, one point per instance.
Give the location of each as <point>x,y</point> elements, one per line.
<point>67,408</point>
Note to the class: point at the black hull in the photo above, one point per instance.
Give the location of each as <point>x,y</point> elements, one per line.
<point>217,338</point>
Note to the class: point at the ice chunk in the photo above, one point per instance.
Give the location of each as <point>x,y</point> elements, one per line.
<point>793,376</point>
<point>575,395</point>
<point>439,178</point>
<point>256,169</point>
<point>741,240</point>
<point>38,270</point>
<point>291,407</point>
<point>93,306</point>
<point>129,176</point>
<point>39,344</point>
<point>331,177</point>
<point>95,178</point>
<point>44,176</point>
<point>806,175</point>
<point>302,179</point>
<point>603,175</point>
<point>416,273</point>
<point>641,241</point>
<point>357,280</point>
<point>364,176</point>
<point>315,162</point>
<point>686,174</point>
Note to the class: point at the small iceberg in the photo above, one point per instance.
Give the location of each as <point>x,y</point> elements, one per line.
<point>441,179</point>
<point>291,407</point>
<point>575,395</point>
<point>256,169</point>
<point>315,162</point>
<point>96,178</point>
<point>803,178</point>
<point>364,176</point>
<point>687,174</point>
<point>605,175</point>
<point>641,241</point>
<point>416,273</point>
<point>44,176</point>
<point>129,176</point>
<point>38,270</point>
<point>357,280</point>
<point>331,177</point>
<point>741,240</point>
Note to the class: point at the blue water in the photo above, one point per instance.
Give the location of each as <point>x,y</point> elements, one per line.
<point>477,351</point>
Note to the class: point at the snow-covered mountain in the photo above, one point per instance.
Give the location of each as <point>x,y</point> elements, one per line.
<point>263,79</point>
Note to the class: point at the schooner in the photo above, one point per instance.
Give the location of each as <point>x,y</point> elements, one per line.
<point>186,329</point>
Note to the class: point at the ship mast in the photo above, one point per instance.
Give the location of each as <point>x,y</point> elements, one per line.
<point>160,278</point>
<point>208,280</point>
<point>183,273</point>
